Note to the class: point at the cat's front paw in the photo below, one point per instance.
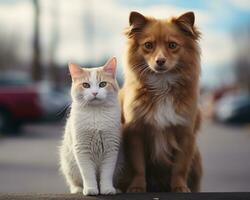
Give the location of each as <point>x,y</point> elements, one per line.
<point>108,190</point>
<point>75,189</point>
<point>90,191</point>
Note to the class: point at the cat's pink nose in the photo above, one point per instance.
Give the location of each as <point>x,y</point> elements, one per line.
<point>94,93</point>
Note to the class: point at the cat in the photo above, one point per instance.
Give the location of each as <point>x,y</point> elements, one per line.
<point>92,135</point>
<point>159,101</point>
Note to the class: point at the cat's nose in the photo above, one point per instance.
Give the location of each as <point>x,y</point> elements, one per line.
<point>94,93</point>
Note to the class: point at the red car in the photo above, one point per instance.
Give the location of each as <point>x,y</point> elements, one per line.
<point>23,101</point>
<point>19,102</point>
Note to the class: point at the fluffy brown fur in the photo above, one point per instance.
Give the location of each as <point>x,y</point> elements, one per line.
<point>160,105</point>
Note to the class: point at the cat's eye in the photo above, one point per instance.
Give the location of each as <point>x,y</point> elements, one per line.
<point>172,45</point>
<point>86,85</point>
<point>149,45</point>
<point>102,84</point>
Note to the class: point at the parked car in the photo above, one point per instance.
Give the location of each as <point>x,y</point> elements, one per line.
<point>23,101</point>
<point>233,108</point>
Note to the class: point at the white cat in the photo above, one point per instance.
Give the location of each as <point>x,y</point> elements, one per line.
<point>89,150</point>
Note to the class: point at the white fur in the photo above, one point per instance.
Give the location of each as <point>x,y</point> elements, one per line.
<point>94,88</point>
<point>91,143</point>
<point>165,114</point>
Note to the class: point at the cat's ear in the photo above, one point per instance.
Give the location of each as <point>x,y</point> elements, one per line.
<point>110,67</point>
<point>75,70</point>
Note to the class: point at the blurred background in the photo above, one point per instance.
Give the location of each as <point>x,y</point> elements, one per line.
<point>39,37</point>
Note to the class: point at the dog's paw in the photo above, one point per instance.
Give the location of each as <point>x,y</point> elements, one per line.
<point>108,190</point>
<point>137,185</point>
<point>90,191</point>
<point>136,189</point>
<point>181,189</point>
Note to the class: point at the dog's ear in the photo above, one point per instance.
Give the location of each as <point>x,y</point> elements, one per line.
<point>136,21</point>
<point>186,23</point>
<point>187,18</point>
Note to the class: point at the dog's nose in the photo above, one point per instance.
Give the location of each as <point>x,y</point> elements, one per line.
<point>160,61</point>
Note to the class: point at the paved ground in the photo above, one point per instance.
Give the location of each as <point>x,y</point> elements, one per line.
<point>28,163</point>
<point>226,158</point>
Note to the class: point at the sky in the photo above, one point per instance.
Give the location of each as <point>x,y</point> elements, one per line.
<point>91,30</point>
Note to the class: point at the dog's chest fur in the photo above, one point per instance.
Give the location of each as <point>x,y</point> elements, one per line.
<point>158,109</point>
<point>164,114</point>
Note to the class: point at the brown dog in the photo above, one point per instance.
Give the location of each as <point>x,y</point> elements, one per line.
<point>160,105</point>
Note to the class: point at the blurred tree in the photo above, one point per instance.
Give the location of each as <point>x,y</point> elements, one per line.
<point>53,68</point>
<point>9,57</point>
<point>242,64</point>
<point>88,29</point>
<point>36,60</point>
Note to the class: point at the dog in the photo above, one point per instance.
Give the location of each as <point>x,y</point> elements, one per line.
<point>159,101</point>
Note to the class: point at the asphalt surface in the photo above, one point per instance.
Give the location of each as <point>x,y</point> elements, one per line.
<point>29,162</point>
<point>134,196</point>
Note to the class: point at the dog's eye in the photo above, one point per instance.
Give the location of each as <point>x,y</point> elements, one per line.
<point>102,84</point>
<point>86,85</point>
<point>172,45</point>
<point>148,45</point>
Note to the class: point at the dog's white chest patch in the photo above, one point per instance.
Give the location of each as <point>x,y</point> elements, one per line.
<point>165,115</point>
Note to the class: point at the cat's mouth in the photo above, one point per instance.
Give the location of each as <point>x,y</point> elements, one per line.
<point>95,99</point>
